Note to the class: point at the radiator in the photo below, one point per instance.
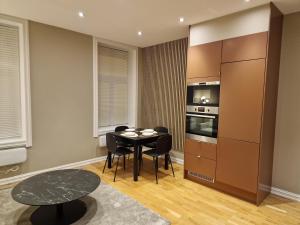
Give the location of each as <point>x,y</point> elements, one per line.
<point>102,141</point>
<point>12,156</point>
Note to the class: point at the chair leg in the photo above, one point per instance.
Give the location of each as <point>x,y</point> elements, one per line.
<point>171,165</point>
<point>153,163</point>
<point>124,162</point>
<point>156,169</point>
<point>140,164</point>
<point>112,161</point>
<point>105,164</point>
<point>116,168</point>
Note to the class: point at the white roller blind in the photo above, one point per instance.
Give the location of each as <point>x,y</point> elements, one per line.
<point>112,87</point>
<point>10,100</point>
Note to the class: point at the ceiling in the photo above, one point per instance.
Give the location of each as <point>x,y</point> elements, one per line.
<point>120,20</point>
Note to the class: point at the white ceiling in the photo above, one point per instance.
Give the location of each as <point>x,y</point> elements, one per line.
<point>119,20</point>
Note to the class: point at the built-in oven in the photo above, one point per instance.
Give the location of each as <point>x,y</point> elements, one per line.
<point>202,123</point>
<point>204,93</point>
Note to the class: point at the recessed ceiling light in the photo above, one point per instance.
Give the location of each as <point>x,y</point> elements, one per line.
<point>181,19</point>
<point>140,33</point>
<point>247,0</point>
<point>80,14</point>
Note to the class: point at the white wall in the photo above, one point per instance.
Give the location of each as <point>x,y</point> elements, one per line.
<point>286,167</point>
<point>242,23</point>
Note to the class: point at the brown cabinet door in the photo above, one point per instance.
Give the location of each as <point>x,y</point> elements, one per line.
<point>237,164</point>
<point>200,165</point>
<point>241,100</point>
<point>204,60</point>
<point>247,47</point>
<point>202,149</point>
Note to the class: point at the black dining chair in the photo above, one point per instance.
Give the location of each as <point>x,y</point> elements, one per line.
<point>116,150</point>
<point>121,128</point>
<point>163,147</point>
<point>160,130</point>
<point>121,142</point>
<point>153,144</point>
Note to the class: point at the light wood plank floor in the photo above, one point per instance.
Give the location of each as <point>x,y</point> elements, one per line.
<point>184,202</point>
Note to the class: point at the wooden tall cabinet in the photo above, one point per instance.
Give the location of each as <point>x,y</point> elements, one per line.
<point>204,60</point>
<point>241,99</point>
<point>249,71</point>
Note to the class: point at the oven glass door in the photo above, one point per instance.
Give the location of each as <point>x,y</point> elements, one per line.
<point>204,125</point>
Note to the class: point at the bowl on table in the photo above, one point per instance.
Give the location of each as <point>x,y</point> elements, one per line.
<point>129,134</point>
<point>147,131</point>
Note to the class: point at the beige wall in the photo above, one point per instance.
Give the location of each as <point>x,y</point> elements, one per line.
<point>286,169</point>
<point>238,24</point>
<point>61,96</point>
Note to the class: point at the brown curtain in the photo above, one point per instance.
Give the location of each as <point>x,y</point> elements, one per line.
<point>163,87</point>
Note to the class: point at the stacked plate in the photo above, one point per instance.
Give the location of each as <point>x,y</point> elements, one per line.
<point>148,132</point>
<point>129,134</point>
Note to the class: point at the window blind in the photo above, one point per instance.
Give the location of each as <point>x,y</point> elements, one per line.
<point>112,87</point>
<point>10,99</point>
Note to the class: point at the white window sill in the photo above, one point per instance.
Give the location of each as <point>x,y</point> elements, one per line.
<point>104,130</point>
<point>12,144</point>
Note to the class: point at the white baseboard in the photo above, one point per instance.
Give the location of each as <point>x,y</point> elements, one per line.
<point>177,160</point>
<point>285,194</point>
<point>24,176</point>
<point>18,178</point>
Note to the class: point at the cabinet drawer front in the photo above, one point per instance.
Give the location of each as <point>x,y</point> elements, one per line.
<point>237,164</point>
<point>203,149</point>
<point>247,47</point>
<point>202,166</point>
<point>204,60</point>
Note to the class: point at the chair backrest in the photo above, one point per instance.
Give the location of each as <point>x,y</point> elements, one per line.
<point>111,142</point>
<point>164,144</point>
<point>161,129</point>
<point>120,128</point>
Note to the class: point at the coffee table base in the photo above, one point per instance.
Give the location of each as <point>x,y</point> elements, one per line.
<point>62,214</point>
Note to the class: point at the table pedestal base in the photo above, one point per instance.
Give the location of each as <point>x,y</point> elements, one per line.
<point>61,214</point>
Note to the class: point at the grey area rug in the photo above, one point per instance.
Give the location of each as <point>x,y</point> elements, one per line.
<point>105,206</point>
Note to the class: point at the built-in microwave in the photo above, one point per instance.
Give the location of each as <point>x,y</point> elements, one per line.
<point>203,94</point>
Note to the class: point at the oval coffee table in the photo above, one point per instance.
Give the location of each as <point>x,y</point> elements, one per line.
<point>57,193</point>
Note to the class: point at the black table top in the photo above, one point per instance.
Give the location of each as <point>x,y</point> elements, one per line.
<point>55,187</point>
<point>140,138</point>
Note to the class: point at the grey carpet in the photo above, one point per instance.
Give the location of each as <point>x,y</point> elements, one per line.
<point>105,206</point>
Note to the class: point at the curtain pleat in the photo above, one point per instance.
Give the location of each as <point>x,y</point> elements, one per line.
<point>164,87</point>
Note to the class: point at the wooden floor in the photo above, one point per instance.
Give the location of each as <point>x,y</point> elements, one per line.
<point>184,202</point>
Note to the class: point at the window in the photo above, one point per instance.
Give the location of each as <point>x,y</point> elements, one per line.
<point>112,87</point>
<point>115,85</point>
<point>14,99</point>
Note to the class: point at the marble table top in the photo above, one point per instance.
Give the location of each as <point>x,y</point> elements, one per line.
<point>55,187</point>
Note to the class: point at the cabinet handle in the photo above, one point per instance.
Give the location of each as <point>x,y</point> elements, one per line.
<point>199,156</point>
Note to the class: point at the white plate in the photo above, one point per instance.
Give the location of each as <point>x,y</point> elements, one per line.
<point>129,129</point>
<point>148,130</point>
<point>147,133</point>
<point>130,134</point>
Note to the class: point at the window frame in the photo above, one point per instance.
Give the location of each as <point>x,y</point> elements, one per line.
<point>26,139</point>
<point>132,84</point>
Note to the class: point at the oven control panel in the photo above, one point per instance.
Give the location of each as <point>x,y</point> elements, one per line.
<point>202,109</point>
